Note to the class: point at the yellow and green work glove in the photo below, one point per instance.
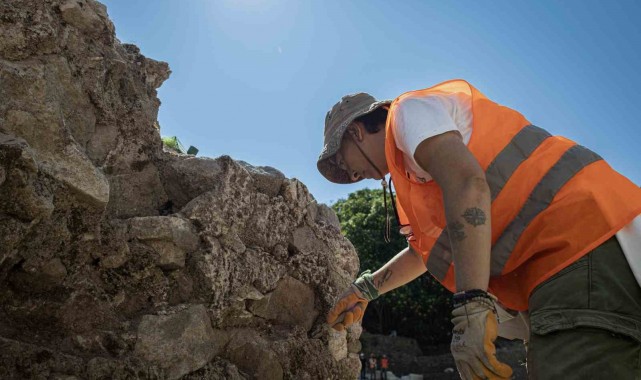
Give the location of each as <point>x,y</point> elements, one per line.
<point>351,305</point>
<point>475,330</point>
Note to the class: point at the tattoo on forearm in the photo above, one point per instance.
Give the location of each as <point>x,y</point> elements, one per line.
<point>456,231</point>
<point>474,216</point>
<point>386,275</point>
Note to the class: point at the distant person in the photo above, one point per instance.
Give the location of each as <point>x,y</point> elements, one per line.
<point>392,333</point>
<point>384,366</point>
<point>372,365</point>
<point>503,214</point>
<point>363,365</point>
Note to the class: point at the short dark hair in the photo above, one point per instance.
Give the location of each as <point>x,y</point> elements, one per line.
<point>374,119</point>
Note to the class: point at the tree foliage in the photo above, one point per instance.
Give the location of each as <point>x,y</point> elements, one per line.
<point>420,309</point>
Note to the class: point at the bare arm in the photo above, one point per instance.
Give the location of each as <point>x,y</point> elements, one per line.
<point>401,269</point>
<point>466,197</point>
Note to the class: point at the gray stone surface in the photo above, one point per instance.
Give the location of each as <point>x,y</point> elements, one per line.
<point>267,180</point>
<point>180,343</point>
<point>291,303</point>
<point>170,255</point>
<point>326,215</point>
<point>178,230</point>
<point>120,260</point>
<point>252,354</point>
<point>337,344</point>
<point>74,169</point>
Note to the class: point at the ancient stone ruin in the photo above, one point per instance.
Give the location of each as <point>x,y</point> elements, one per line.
<point>120,260</point>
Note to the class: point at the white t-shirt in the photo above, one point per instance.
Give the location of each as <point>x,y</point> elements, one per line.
<point>419,118</point>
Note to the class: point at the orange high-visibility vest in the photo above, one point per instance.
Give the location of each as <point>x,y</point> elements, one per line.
<point>552,200</point>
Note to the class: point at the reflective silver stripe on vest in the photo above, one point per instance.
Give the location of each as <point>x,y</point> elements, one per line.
<point>522,145</point>
<point>438,262</point>
<point>508,160</point>
<point>497,174</point>
<point>573,160</point>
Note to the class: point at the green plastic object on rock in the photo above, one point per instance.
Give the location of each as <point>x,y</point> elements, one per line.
<point>174,144</point>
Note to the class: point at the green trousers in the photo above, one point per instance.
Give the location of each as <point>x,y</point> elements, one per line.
<point>586,320</point>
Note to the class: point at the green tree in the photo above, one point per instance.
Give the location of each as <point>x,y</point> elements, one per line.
<point>420,309</point>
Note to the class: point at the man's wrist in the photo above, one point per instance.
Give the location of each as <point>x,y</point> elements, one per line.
<point>467,296</point>
<point>365,284</point>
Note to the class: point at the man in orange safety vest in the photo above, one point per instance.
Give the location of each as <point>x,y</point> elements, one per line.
<point>536,236</point>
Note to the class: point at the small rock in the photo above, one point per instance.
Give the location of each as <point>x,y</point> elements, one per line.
<point>188,177</point>
<point>165,228</point>
<point>249,292</point>
<point>354,346</point>
<point>136,193</point>
<point>337,343</point>
<point>291,303</point>
<point>73,168</point>
<point>171,257</point>
<point>350,365</point>
<point>81,15</point>
<point>55,270</point>
<point>233,242</point>
<point>326,215</point>
<point>354,332</point>
<point>305,241</point>
<point>267,179</point>
<point>35,276</point>
<point>182,288</point>
<point>253,355</point>
<point>179,343</point>
<point>117,259</point>
<point>280,252</point>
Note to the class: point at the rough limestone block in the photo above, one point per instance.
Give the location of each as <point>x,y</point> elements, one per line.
<point>81,14</point>
<point>166,228</point>
<point>306,241</point>
<point>249,292</point>
<point>354,346</point>
<point>326,215</point>
<point>291,303</point>
<point>73,168</point>
<point>267,179</point>
<point>248,350</point>
<point>18,195</point>
<point>136,194</point>
<point>55,270</point>
<point>171,256</point>
<point>37,276</point>
<point>179,343</point>
<point>350,365</point>
<point>219,368</point>
<point>353,334</point>
<point>116,258</point>
<point>337,343</point>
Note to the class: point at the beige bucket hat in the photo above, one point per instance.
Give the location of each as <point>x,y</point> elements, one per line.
<point>337,120</point>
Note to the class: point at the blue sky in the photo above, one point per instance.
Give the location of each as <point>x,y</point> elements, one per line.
<point>253,79</point>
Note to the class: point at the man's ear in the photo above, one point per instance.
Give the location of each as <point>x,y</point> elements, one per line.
<point>356,131</point>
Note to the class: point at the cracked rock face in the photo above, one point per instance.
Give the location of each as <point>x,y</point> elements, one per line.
<point>119,260</point>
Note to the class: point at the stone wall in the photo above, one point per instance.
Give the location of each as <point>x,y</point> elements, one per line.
<point>121,260</point>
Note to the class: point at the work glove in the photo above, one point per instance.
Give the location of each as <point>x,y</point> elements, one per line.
<point>351,305</point>
<point>475,330</point>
